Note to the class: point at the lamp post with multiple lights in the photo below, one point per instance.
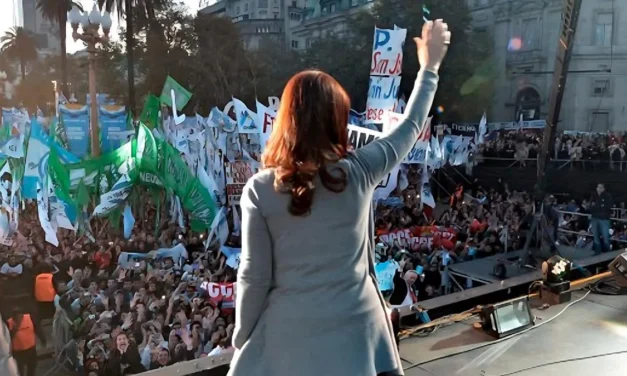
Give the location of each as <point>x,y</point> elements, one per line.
<point>90,24</point>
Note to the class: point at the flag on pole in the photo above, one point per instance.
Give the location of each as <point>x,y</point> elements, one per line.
<point>181,94</point>
<point>427,197</point>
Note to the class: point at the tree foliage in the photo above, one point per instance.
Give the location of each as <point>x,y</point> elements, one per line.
<point>206,55</point>
<point>18,44</point>
<point>56,11</point>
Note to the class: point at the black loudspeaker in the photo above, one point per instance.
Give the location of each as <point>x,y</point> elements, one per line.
<point>507,318</point>
<point>618,267</point>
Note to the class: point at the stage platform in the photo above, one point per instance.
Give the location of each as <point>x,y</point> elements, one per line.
<point>481,270</point>
<point>495,289</point>
<point>593,329</point>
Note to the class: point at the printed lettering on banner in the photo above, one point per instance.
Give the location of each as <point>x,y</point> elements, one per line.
<point>358,137</point>
<point>237,174</point>
<point>467,130</point>
<point>387,52</point>
<point>221,293</point>
<point>382,97</point>
<point>417,237</point>
<point>147,177</point>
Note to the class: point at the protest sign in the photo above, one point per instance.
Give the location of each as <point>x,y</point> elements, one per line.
<point>221,293</point>
<point>359,137</point>
<point>417,237</point>
<point>237,174</point>
<point>387,52</point>
<point>75,120</point>
<point>466,130</point>
<point>382,97</point>
<point>114,127</point>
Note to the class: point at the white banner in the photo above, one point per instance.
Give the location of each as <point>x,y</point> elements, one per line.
<point>382,97</point>
<point>265,118</point>
<point>44,219</point>
<point>115,197</point>
<point>387,52</point>
<point>246,119</point>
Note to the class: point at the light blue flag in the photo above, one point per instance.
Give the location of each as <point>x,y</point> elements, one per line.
<point>36,167</point>
<point>129,221</point>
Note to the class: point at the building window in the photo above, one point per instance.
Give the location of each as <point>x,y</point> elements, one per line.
<point>263,3</point>
<point>263,14</point>
<point>237,10</point>
<point>603,30</point>
<point>600,121</point>
<point>276,15</point>
<point>324,10</point>
<point>245,7</point>
<point>332,8</point>
<point>294,4</point>
<point>601,87</point>
<point>295,44</point>
<point>528,34</point>
<point>294,16</point>
<point>353,3</point>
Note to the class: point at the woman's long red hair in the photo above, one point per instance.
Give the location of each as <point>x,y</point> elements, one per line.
<point>309,134</point>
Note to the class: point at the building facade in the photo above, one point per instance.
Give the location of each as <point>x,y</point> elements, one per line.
<point>324,17</point>
<point>258,20</point>
<point>45,33</point>
<point>525,35</point>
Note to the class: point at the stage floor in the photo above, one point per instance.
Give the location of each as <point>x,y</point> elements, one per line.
<point>481,269</point>
<point>595,326</point>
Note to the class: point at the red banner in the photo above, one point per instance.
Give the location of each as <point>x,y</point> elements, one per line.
<point>417,237</point>
<point>221,292</point>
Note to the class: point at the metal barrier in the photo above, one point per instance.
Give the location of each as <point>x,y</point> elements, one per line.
<point>617,216</point>
<point>205,365</point>
<point>560,163</point>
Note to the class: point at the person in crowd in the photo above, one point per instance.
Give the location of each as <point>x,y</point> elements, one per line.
<point>8,366</point>
<point>601,204</point>
<point>310,183</point>
<point>24,333</point>
<point>11,268</point>
<point>124,359</point>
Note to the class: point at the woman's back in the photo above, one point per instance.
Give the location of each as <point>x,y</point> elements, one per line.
<point>307,297</point>
<point>322,258</point>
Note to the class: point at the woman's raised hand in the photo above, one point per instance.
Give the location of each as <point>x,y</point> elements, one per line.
<point>433,44</point>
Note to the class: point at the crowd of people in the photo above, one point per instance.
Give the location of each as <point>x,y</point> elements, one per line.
<point>578,148</point>
<point>483,221</point>
<point>114,313</point>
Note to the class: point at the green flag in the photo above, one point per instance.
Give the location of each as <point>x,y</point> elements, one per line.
<point>150,113</point>
<point>181,95</point>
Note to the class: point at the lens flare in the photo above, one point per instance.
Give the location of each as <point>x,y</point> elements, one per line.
<point>514,44</point>
<point>440,109</point>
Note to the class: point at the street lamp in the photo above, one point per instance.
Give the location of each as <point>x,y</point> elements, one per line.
<point>90,24</point>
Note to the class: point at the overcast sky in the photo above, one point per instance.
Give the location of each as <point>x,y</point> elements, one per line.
<point>7,20</point>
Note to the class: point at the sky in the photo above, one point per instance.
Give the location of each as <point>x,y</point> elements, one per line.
<point>6,20</point>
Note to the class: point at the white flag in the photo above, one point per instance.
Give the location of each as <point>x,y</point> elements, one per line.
<point>44,219</point>
<point>237,223</point>
<point>115,197</point>
<point>426,196</point>
<point>14,147</point>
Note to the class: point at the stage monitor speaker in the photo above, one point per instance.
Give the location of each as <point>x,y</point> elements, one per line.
<point>507,318</point>
<point>618,267</point>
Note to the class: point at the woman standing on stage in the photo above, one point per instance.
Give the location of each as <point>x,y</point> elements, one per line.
<point>307,296</point>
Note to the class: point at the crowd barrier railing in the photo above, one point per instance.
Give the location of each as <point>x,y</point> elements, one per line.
<point>194,366</point>
<point>560,163</point>
<point>618,215</point>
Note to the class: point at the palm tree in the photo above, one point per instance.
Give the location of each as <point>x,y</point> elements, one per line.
<point>18,44</point>
<point>129,9</point>
<point>56,11</point>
